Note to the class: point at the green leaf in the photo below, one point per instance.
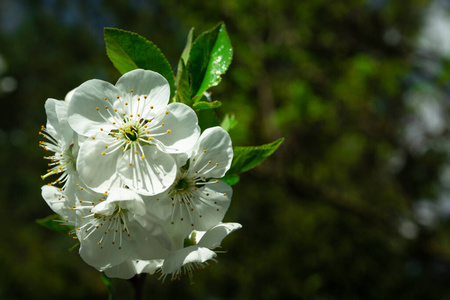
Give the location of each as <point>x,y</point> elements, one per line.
<point>207,119</point>
<point>56,223</point>
<point>230,179</point>
<point>209,58</point>
<point>183,87</point>
<point>246,158</point>
<point>129,51</point>
<point>228,122</point>
<point>201,105</point>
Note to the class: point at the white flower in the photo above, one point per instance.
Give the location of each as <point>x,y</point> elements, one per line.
<point>131,131</point>
<point>115,227</point>
<point>112,228</point>
<point>196,199</point>
<point>61,140</point>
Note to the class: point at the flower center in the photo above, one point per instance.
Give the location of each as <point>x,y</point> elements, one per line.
<point>183,184</point>
<point>131,133</point>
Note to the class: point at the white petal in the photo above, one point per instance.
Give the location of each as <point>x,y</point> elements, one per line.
<point>153,243</point>
<point>211,204</point>
<point>96,170</point>
<point>213,237</point>
<point>191,254</point>
<point>57,121</point>
<point>180,131</point>
<point>146,83</point>
<point>130,268</point>
<point>84,117</point>
<point>69,95</point>
<point>128,199</point>
<point>216,161</point>
<point>148,266</point>
<point>125,270</point>
<point>105,208</point>
<point>107,254</point>
<point>160,205</point>
<point>181,158</point>
<point>59,203</point>
<point>151,171</point>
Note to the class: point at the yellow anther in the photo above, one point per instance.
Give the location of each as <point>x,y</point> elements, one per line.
<point>151,107</point>
<point>106,107</point>
<point>136,152</point>
<point>162,124</point>
<point>145,97</point>
<point>209,161</point>
<point>150,138</point>
<point>126,103</point>
<point>131,164</point>
<point>168,131</point>
<point>131,91</point>
<point>117,97</point>
<point>106,98</point>
<point>103,153</point>
<point>97,108</point>
<point>106,146</point>
<point>167,112</point>
<point>204,151</point>
<point>93,137</point>
<point>101,129</point>
<point>143,156</point>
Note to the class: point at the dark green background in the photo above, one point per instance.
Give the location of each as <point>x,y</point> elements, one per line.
<point>354,204</point>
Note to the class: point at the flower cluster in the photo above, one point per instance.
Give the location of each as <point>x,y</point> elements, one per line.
<point>135,178</point>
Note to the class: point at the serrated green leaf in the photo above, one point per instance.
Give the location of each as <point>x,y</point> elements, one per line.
<point>202,105</point>
<point>246,158</point>
<point>228,122</point>
<point>55,222</point>
<point>209,58</point>
<point>230,179</point>
<point>183,87</point>
<point>129,51</point>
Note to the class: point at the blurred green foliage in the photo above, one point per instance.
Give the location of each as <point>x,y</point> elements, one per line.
<point>331,215</point>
